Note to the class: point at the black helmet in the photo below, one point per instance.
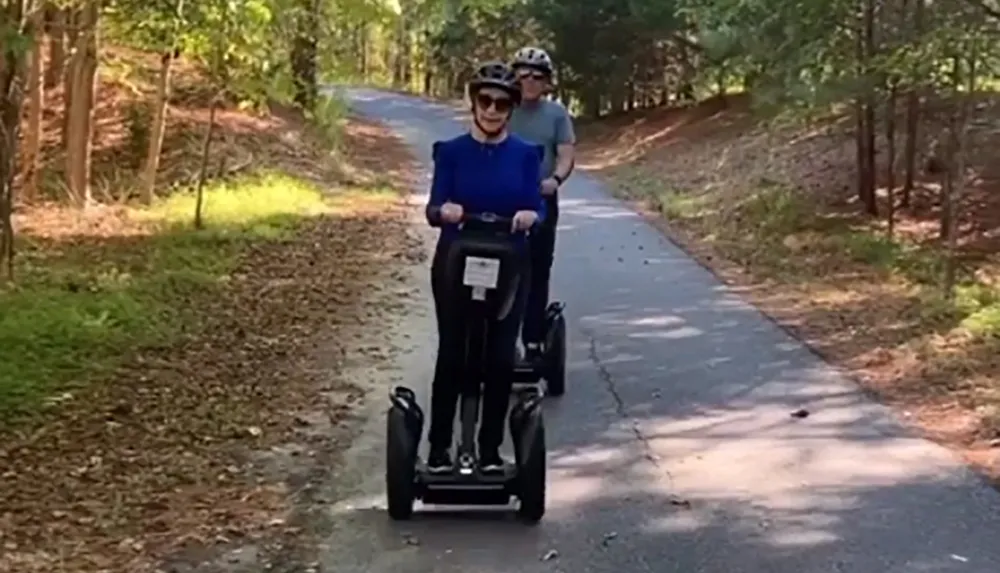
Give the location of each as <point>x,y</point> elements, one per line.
<point>496,75</point>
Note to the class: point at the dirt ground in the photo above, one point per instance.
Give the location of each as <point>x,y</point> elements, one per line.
<point>194,446</point>
<point>812,263</point>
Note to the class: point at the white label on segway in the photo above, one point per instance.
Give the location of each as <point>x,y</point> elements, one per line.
<point>480,272</point>
<point>478,293</point>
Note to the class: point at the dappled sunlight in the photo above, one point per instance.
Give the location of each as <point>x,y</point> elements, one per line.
<point>695,435</point>
<point>242,202</point>
<point>832,278</point>
<point>611,146</point>
<point>591,210</point>
<point>680,332</point>
<point>626,151</point>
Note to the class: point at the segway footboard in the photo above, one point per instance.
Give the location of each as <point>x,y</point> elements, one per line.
<point>475,488</point>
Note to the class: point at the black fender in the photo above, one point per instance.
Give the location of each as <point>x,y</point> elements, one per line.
<point>555,355</point>
<point>525,421</point>
<point>404,400</point>
<point>554,309</point>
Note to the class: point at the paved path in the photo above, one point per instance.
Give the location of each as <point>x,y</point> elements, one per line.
<point>674,449</point>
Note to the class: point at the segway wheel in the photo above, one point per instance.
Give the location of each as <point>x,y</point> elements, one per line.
<point>531,478</point>
<point>400,465</point>
<point>555,380</point>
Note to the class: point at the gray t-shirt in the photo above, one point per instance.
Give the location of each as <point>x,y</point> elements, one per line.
<point>546,123</point>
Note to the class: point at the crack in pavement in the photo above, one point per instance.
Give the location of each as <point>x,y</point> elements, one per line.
<point>605,375</point>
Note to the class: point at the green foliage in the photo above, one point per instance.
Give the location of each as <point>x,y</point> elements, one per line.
<point>243,45</point>
<point>984,322</point>
<point>14,40</point>
<point>776,211</point>
<point>327,120</point>
<point>981,306</point>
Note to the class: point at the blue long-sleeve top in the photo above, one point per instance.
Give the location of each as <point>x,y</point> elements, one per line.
<point>501,178</point>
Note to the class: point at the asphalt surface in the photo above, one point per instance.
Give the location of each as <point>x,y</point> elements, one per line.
<point>674,448</point>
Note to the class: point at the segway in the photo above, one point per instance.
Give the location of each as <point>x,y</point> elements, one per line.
<point>550,364</point>
<point>485,274</point>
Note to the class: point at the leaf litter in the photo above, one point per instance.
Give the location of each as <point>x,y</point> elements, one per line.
<point>160,460</point>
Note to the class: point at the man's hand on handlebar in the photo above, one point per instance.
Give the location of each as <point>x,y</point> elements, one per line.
<point>523,220</point>
<point>452,213</point>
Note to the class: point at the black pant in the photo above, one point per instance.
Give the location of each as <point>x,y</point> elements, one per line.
<point>543,246</point>
<point>448,371</point>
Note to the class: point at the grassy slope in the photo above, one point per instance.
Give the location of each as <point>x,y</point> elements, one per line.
<point>771,211</point>
<point>78,308</point>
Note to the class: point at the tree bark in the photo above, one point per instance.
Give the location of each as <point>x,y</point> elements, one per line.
<point>71,19</point>
<point>56,32</point>
<point>912,116</point>
<point>83,74</point>
<point>305,52</point>
<point>206,150</point>
<point>158,129</point>
<point>11,98</point>
<point>890,167</point>
<point>35,95</point>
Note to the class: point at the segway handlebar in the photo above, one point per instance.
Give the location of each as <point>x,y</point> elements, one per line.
<point>491,219</point>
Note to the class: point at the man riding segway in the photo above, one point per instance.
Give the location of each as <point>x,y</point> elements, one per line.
<point>547,123</point>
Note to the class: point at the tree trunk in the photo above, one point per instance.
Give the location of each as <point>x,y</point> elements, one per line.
<point>912,116</point>
<point>304,54</point>
<point>11,97</point>
<point>399,54</point>
<point>83,73</point>
<point>685,90</point>
<point>35,94</point>
<point>157,130</point>
<point>56,31</point>
<point>865,113</point>
<point>71,19</point>
<point>206,149</point>
<point>890,167</point>
<point>592,103</point>
<point>954,179</point>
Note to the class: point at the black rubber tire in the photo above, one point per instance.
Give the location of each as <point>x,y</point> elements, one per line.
<point>555,379</point>
<point>531,480</point>
<point>400,468</point>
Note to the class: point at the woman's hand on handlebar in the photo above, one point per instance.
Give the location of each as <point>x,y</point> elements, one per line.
<point>523,220</point>
<point>452,213</point>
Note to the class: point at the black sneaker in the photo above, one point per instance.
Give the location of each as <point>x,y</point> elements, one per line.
<point>492,463</point>
<point>439,462</point>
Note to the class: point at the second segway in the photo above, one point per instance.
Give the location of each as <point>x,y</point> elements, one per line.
<point>550,363</point>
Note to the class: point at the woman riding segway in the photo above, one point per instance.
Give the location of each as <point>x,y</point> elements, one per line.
<point>486,170</point>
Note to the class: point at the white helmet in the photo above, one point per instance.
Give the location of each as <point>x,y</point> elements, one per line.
<point>530,57</point>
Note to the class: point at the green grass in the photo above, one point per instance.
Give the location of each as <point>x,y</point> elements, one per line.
<point>79,308</point>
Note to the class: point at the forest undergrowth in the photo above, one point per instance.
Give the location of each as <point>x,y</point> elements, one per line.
<point>142,359</point>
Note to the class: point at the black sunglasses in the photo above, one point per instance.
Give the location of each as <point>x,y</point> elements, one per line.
<point>501,104</point>
<point>537,76</point>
